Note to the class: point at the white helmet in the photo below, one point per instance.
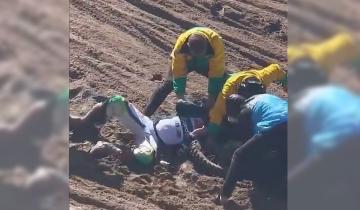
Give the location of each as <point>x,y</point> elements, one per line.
<point>170,131</point>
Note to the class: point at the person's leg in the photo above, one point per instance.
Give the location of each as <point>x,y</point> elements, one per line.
<point>270,172</point>
<point>252,151</point>
<point>103,148</point>
<point>159,95</point>
<point>241,156</point>
<point>136,122</point>
<point>36,122</point>
<point>142,127</point>
<point>95,116</point>
<point>75,122</point>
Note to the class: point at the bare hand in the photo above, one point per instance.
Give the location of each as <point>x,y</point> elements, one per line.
<point>197,133</point>
<point>180,100</point>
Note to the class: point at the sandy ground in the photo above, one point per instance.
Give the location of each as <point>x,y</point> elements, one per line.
<point>33,67</point>
<point>122,47</point>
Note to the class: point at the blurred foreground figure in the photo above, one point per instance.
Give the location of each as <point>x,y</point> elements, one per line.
<point>35,127</point>
<point>33,167</point>
<point>265,152</point>
<point>324,133</point>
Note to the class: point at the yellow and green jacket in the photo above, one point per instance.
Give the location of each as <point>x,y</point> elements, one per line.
<point>335,50</point>
<point>212,65</point>
<point>266,75</point>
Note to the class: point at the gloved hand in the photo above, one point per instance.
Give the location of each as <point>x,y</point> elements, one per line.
<point>189,109</point>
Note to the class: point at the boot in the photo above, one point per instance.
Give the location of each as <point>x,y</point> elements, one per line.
<point>158,97</point>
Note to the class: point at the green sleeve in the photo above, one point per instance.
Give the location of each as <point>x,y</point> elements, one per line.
<point>215,85</point>
<point>179,85</point>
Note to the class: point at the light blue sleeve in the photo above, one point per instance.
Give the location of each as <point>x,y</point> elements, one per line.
<point>268,112</point>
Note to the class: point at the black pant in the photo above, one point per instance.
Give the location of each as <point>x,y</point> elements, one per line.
<point>262,157</point>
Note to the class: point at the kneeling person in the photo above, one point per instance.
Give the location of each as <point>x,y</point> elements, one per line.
<point>268,116</point>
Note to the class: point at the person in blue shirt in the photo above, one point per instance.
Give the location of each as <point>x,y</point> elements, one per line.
<point>326,121</point>
<point>323,117</point>
<point>324,142</point>
<point>267,114</point>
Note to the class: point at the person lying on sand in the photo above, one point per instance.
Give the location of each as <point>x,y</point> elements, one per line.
<point>149,135</point>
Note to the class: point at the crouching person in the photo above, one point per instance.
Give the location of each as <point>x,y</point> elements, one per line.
<point>265,152</point>
<point>149,135</point>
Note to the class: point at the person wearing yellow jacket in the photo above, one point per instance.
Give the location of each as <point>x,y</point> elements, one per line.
<point>199,49</point>
<point>337,49</point>
<point>265,76</point>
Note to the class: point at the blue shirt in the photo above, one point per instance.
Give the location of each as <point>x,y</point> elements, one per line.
<point>331,116</point>
<point>267,112</point>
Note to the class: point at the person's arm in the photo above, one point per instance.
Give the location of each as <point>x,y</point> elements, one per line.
<point>216,67</point>
<point>75,122</point>
<point>271,73</point>
<point>335,50</point>
<point>240,155</point>
<point>178,67</point>
<point>199,133</point>
<point>179,75</point>
<point>303,167</point>
<point>218,111</point>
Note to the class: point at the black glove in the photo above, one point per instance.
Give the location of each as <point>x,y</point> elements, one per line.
<point>190,109</point>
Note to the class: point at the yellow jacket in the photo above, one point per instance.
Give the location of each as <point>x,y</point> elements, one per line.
<point>338,49</point>
<point>216,61</point>
<point>267,75</point>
